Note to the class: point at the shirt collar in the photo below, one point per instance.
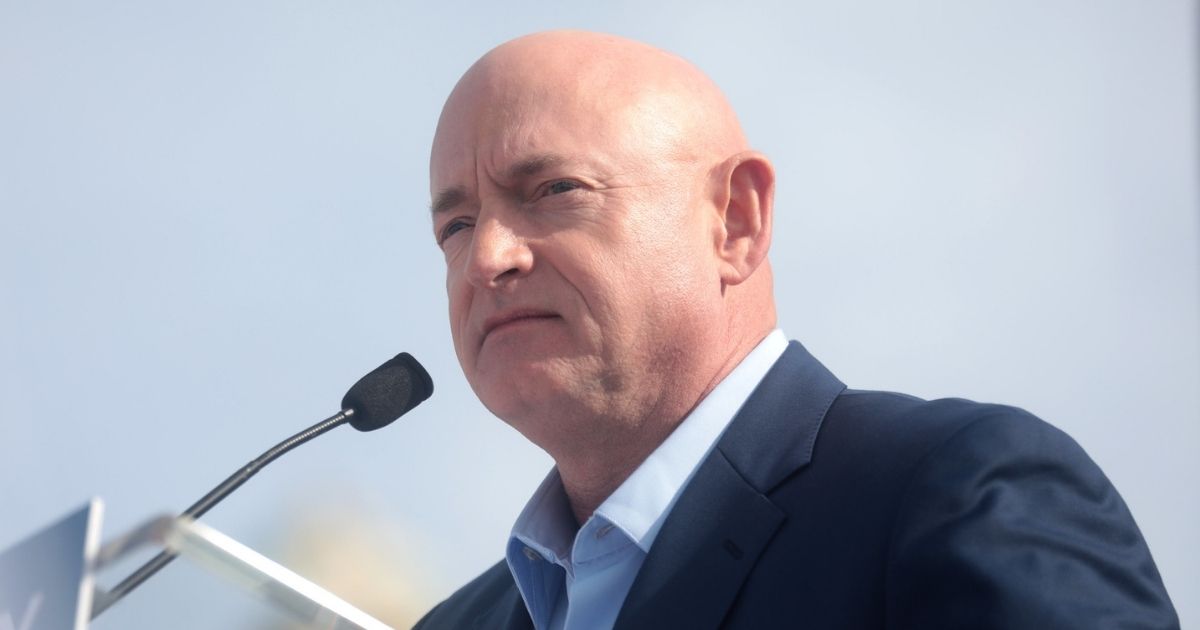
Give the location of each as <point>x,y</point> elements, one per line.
<point>640,504</point>
<point>547,524</point>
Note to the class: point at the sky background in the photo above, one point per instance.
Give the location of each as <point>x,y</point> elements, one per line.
<point>214,219</point>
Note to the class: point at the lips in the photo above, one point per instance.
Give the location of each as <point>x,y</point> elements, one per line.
<point>506,318</point>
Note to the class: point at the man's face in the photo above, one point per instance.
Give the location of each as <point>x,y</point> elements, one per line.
<point>579,263</point>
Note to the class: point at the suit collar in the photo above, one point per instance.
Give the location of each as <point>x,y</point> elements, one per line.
<point>774,433</point>
<point>724,520</point>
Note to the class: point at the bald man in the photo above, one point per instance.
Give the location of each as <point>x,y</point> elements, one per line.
<point>605,226</point>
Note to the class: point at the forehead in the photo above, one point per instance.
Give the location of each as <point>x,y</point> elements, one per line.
<point>514,130</point>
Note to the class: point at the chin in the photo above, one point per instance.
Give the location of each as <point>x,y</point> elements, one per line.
<point>520,393</point>
<point>508,389</point>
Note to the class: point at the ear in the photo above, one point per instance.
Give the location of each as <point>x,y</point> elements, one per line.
<point>744,192</point>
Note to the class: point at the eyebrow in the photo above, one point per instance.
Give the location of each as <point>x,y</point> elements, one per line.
<point>534,165</point>
<point>448,198</point>
<point>445,200</point>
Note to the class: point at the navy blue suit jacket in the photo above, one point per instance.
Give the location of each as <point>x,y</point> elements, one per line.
<point>823,507</point>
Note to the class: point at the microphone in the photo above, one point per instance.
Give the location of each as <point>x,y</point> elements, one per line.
<point>386,393</point>
<point>375,401</point>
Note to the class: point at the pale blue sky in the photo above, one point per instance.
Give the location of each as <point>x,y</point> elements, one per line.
<point>213,219</point>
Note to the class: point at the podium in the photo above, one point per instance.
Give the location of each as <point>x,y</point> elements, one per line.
<point>48,581</point>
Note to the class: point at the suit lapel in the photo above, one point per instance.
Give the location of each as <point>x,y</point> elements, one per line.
<point>723,520</point>
<point>701,557</point>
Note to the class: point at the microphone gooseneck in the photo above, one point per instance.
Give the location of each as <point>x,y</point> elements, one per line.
<point>246,472</point>
<point>375,401</point>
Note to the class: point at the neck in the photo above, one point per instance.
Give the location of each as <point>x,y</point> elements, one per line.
<point>588,484</point>
<point>593,469</point>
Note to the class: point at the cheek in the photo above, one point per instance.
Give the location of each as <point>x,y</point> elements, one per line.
<point>671,261</point>
<point>626,289</point>
<point>650,262</point>
<point>458,293</point>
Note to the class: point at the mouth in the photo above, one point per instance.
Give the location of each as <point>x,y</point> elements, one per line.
<point>513,319</point>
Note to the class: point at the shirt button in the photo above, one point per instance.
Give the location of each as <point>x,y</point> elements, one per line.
<point>531,554</point>
<point>603,531</point>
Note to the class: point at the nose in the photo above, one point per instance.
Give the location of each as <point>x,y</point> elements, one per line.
<point>497,255</point>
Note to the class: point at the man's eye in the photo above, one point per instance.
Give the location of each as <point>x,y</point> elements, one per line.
<point>561,186</point>
<point>450,229</point>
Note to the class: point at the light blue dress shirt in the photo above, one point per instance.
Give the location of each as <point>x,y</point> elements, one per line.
<point>578,580</point>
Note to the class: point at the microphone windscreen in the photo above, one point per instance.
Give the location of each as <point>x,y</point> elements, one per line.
<point>387,393</point>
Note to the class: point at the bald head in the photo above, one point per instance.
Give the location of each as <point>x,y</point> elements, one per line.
<point>605,229</point>
<point>625,88</point>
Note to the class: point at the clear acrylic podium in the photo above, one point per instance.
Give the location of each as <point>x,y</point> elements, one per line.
<point>58,565</point>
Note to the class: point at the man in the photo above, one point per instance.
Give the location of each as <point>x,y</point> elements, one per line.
<point>605,226</point>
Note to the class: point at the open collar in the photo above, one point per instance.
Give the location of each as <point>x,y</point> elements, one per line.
<point>640,504</point>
